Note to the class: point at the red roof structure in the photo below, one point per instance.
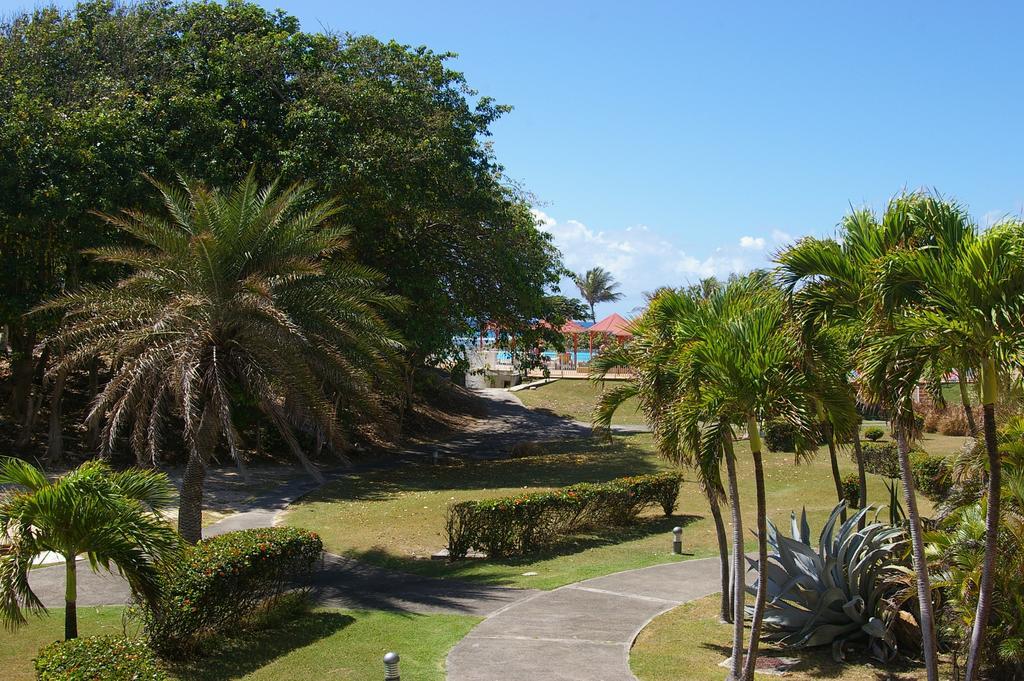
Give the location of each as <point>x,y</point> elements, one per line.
<point>613,325</point>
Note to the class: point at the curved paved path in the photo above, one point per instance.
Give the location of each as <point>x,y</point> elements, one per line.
<point>579,632</point>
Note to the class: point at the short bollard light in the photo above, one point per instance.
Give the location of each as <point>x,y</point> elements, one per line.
<point>677,540</point>
<point>391,667</point>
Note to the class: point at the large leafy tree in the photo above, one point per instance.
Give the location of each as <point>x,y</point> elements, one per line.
<point>97,96</point>
<point>960,295</point>
<point>597,285</point>
<point>232,296</point>
<point>111,517</point>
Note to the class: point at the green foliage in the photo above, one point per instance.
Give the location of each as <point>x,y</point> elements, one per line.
<point>932,475</point>
<point>111,517</point>
<point>881,459</point>
<point>98,95</point>
<point>779,436</point>
<point>874,433</point>
<point>522,524</point>
<point>110,658</point>
<point>838,593</point>
<point>220,582</point>
<point>597,285</point>
<point>851,490</point>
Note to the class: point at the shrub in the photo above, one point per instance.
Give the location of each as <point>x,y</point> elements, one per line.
<point>932,419</point>
<point>527,522</point>
<point>932,475</point>
<point>954,422</point>
<point>874,433</point>
<point>779,436</point>
<point>111,658</point>
<point>881,458</point>
<point>220,582</point>
<point>851,490</point>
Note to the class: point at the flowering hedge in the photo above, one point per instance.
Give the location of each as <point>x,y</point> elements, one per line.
<point>220,582</point>
<point>111,658</point>
<point>527,522</point>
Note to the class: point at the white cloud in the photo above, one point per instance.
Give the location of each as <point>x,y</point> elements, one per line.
<point>780,237</point>
<point>642,259</point>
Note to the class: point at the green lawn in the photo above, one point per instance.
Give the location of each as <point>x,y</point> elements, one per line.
<point>575,399</point>
<point>396,518</point>
<point>323,643</point>
<point>690,637</point>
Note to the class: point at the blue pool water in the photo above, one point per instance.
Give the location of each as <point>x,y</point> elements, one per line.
<point>581,356</point>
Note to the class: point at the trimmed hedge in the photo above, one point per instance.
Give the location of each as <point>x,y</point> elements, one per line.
<point>110,658</point>
<point>222,581</point>
<point>881,458</point>
<point>933,476</point>
<point>521,524</point>
<point>851,490</point>
<point>874,433</point>
<point>779,436</point>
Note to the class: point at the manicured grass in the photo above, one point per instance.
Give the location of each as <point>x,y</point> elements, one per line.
<point>324,643</point>
<point>935,444</point>
<point>691,638</point>
<point>396,518</point>
<point>575,399</point>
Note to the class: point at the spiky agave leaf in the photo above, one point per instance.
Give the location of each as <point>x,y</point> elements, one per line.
<point>836,593</point>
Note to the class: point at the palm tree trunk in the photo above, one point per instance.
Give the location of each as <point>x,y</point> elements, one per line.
<point>70,597</point>
<point>965,398</point>
<point>924,590</point>
<point>981,615</point>
<point>834,460</point>
<point>762,551</point>
<point>862,479</point>
<point>190,510</point>
<point>723,555</point>
<point>739,586</point>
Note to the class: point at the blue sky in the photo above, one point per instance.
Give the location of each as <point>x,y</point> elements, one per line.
<point>669,141</point>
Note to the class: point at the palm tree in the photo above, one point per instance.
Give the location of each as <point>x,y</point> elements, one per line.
<point>657,386</point>
<point>961,296</point>
<point>245,294</point>
<point>833,282</point>
<point>111,517</point>
<point>596,285</point>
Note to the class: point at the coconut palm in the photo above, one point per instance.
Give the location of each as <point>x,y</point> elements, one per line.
<point>961,296</point>
<point>597,285</point>
<point>239,295</point>
<point>833,282</point>
<point>111,517</point>
<point>657,386</point>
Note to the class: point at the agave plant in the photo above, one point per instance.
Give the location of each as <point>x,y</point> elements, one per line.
<point>837,593</point>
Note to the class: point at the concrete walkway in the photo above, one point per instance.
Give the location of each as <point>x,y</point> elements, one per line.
<point>579,632</point>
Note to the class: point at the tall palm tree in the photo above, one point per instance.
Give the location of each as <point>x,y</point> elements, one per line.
<point>833,282</point>
<point>961,295</point>
<point>597,285</point>
<point>245,294</point>
<point>111,517</point>
<point>657,385</point>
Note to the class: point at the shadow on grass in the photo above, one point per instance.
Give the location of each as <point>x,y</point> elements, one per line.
<point>495,572</point>
<point>562,463</point>
<point>239,655</point>
<point>819,664</point>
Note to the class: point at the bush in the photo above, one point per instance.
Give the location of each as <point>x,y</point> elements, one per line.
<point>954,422</point>
<point>932,475</point>
<point>110,658</point>
<point>881,458</point>
<point>521,524</point>
<point>220,582</point>
<point>779,436</point>
<point>932,419</point>
<point>851,490</point>
<point>874,433</point>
